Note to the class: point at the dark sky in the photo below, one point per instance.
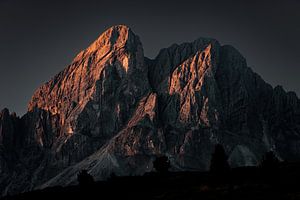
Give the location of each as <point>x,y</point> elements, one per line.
<point>40,38</point>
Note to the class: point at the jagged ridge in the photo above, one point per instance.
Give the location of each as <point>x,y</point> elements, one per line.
<point>114,110</point>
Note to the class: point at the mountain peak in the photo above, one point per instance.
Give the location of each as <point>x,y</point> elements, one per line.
<point>113,110</point>
<point>4,112</point>
<point>105,71</point>
<point>114,38</point>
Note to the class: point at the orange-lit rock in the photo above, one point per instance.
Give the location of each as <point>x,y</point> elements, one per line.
<point>108,76</point>
<point>114,110</point>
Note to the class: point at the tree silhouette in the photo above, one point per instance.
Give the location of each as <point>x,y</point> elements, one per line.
<point>219,160</point>
<point>84,178</point>
<point>269,162</point>
<point>112,175</point>
<point>161,164</point>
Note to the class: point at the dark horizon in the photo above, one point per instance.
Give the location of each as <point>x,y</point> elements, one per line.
<point>39,39</point>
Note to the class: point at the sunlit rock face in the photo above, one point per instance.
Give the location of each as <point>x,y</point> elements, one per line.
<point>112,110</point>
<point>95,96</point>
<point>103,84</point>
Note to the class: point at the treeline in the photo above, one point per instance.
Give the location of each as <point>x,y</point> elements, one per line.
<point>219,165</point>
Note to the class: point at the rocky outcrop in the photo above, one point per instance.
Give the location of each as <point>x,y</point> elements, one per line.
<point>103,83</point>
<point>9,128</point>
<point>112,110</point>
<point>129,152</point>
<point>95,96</point>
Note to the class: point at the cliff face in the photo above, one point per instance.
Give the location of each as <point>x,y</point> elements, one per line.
<point>97,93</point>
<point>113,110</point>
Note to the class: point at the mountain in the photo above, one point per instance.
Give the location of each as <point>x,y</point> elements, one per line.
<point>112,110</point>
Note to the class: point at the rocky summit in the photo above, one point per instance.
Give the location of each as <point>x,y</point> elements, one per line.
<point>112,110</point>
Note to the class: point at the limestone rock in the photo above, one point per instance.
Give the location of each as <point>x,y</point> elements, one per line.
<point>112,110</point>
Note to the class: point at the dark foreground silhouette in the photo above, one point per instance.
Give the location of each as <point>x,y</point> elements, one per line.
<point>282,182</point>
